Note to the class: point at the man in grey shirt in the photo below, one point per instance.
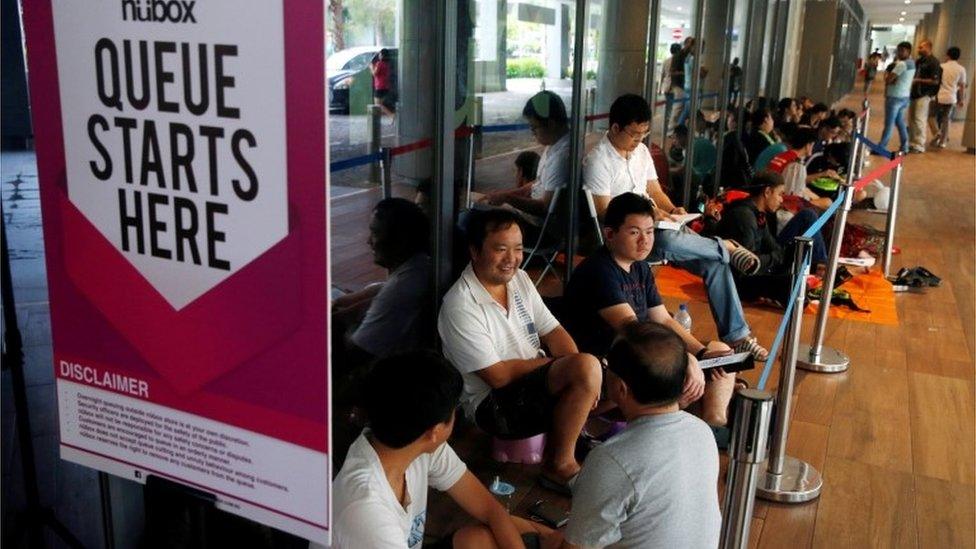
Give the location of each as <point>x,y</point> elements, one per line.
<point>655,483</point>
<point>388,317</point>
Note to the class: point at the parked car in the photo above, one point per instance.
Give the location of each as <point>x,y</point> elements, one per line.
<point>343,67</point>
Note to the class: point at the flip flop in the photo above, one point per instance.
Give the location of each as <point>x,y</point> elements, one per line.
<point>563,488</point>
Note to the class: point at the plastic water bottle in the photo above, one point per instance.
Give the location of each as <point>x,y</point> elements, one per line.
<point>701,199</point>
<point>503,492</point>
<point>683,317</point>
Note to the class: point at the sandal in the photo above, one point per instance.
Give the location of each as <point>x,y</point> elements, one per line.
<point>563,488</point>
<point>744,261</point>
<point>751,345</point>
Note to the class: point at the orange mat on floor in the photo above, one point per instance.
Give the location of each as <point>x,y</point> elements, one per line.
<point>870,291</point>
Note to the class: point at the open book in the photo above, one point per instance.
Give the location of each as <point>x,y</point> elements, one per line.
<point>678,222</point>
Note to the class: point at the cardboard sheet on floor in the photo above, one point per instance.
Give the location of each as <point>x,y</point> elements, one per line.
<point>870,291</point>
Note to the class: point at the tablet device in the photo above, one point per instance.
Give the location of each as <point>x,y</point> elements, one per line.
<point>730,363</point>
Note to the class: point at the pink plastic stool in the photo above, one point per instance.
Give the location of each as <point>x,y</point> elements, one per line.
<point>523,450</point>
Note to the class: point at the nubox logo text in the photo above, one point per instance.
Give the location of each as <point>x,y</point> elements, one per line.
<point>159,11</point>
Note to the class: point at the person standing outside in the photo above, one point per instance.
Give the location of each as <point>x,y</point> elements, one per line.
<point>898,82</point>
<point>665,84</point>
<point>925,85</point>
<point>870,70</point>
<point>952,91</point>
<point>678,82</point>
<point>735,81</point>
<point>381,70</point>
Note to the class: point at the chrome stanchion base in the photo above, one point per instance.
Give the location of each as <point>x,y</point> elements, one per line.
<point>800,482</point>
<point>831,361</point>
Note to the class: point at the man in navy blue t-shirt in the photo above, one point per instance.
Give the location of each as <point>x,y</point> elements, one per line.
<point>615,286</point>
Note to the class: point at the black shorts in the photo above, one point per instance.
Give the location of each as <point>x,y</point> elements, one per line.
<point>521,409</point>
<point>380,94</point>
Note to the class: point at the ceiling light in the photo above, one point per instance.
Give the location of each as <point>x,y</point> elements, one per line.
<point>679,8</point>
<point>908,1</point>
<point>904,13</point>
<point>901,19</point>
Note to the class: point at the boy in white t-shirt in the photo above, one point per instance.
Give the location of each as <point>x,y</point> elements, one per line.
<point>380,495</point>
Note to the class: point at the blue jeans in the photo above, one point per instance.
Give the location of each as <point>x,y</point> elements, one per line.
<point>707,258</point>
<point>895,108</point>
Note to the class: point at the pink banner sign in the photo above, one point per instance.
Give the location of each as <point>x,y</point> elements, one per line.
<point>181,153</point>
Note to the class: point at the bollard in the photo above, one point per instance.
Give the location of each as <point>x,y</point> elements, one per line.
<point>469,174</point>
<point>816,357</point>
<point>787,479</point>
<point>747,451</point>
<point>479,121</point>
<point>866,106</point>
<point>590,107</point>
<point>387,165</point>
<point>374,134</point>
<point>892,213</point>
<point>667,118</point>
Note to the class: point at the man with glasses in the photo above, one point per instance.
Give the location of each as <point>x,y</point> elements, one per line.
<point>546,114</point>
<point>621,163</point>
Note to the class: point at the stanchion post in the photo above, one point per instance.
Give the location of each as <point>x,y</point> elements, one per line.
<point>747,451</point>
<point>469,179</point>
<point>374,118</point>
<point>387,164</point>
<point>479,121</point>
<point>892,214</point>
<point>864,121</point>
<point>815,356</point>
<point>667,119</point>
<point>590,108</point>
<point>787,479</point>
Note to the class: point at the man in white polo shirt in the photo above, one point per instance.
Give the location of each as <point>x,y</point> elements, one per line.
<point>496,330</point>
<point>620,163</point>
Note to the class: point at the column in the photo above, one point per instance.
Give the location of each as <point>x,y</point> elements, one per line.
<point>714,40</point>
<point>554,46</point>
<point>942,27</point>
<point>490,54</point>
<point>962,34</point>
<point>622,48</point>
<point>415,118</point>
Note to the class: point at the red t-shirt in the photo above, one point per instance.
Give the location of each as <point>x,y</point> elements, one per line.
<point>381,78</point>
<point>782,160</point>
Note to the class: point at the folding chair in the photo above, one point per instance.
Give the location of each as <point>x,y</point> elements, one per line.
<point>546,250</point>
<point>591,208</point>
